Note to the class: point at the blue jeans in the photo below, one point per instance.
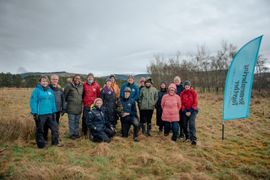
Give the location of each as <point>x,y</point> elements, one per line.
<point>174,126</point>
<point>74,123</point>
<point>190,126</point>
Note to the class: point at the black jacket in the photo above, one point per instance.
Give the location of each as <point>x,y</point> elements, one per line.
<point>97,120</point>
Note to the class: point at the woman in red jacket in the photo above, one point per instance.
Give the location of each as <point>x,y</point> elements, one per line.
<point>171,105</point>
<point>189,99</point>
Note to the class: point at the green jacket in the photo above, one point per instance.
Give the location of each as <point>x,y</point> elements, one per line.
<point>73,97</point>
<point>148,98</point>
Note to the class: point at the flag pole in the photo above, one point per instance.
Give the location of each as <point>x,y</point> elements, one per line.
<point>222,130</point>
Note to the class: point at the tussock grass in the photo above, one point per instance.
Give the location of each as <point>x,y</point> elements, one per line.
<point>244,154</point>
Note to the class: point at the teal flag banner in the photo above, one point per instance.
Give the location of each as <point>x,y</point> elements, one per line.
<point>239,81</point>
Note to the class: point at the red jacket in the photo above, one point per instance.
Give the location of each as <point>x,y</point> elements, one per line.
<point>90,93</point>
<point>189,100</point>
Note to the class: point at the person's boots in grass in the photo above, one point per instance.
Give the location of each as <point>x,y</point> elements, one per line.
<point>136,139</point>
<point>194,143</point>
<point>148,130</point>
<point>142,125</point>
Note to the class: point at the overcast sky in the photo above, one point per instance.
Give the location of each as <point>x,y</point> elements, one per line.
<point>121,36</point>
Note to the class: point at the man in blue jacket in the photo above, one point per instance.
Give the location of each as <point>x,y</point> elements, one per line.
<point>128,115</point>
<point>43,108</point>
<point>134,94</point>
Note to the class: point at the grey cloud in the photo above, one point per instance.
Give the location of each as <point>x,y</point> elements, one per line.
<point>121,36</point>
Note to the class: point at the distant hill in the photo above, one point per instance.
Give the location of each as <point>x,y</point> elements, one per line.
<point>60,73</point>
<point>125,76</point>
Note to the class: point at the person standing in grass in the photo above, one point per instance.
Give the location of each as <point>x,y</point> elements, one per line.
<point>73,96</point>
<point>91,91</point>
<point>141,85</point>
<point>117,94</point>
<point>161,93</point>
<point>109,101</point>
<point>100,128</point>
<point>189,107</point>
<point>147,101</point>
<point>171,105</point>
<point>115,86</point>
<point>43,109</point>
<point>59,100</point>
<point>128,115</point>
<point>134,94</point>
<point>179,89</point>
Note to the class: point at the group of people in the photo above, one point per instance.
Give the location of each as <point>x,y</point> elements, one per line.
<point>102,107</point>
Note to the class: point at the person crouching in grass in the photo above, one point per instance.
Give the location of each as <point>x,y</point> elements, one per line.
<point>128,115</point>
<point>43,109</point>
<point>189,107</point>
<point>171,105</point>
<point>100,128</point>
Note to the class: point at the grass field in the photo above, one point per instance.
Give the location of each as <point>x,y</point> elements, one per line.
<point>244,154</point>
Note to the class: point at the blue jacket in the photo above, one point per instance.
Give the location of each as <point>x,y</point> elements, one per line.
<point>129,106</point>
<point>42,101</point>
<point>134,90</point>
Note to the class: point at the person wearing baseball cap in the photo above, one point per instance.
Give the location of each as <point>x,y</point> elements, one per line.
<point>128,115</point>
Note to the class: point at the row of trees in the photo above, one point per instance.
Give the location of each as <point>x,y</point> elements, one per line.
<point>206,71</point>
<point>16,80</point>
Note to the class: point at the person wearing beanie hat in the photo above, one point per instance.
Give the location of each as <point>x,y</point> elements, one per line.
<point>187,82</point>
<point>147,101</point>
<point>161,93</point>
<point>189,108</point>
<point>171,105</point>
<point>132,85</point>
<point>100,129</point>
<point>109,101</point>
<point>91,91</point>
<point>128,115</point>
<point>141,85</point>
<point>108,79</point>
<point>141,82</point>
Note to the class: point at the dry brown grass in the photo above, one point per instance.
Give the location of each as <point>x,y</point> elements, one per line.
<point>244,154</point>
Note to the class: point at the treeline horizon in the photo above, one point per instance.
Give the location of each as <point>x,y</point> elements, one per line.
<point>206,71</point>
